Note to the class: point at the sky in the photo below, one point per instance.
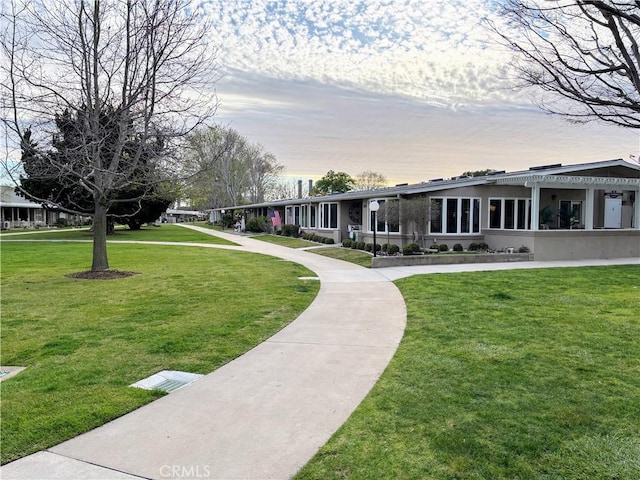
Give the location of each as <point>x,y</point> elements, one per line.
<point>412,89</point>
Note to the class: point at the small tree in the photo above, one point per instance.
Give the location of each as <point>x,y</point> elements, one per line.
<point>390,213</point>
<point>417,211</point>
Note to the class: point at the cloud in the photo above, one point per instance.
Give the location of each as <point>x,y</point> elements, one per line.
<point>435,51</point>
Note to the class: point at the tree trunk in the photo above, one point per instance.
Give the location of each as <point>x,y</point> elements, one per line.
<point>100,261</point>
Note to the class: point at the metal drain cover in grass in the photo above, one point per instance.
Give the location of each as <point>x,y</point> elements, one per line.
<point>167,380</point>
<point>8,372</point>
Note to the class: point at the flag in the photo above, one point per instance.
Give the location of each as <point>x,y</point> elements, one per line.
<point>276,221</point>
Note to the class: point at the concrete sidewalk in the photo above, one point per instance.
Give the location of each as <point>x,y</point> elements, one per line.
<point>264,415</point>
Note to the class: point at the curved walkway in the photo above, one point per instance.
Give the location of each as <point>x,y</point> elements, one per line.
<point>265,414</point>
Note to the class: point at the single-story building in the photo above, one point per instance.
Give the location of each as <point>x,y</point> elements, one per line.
<point>581,211</point>
<point>18,212</point>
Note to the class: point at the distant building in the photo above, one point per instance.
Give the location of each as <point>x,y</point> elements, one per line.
<point>18,212</point>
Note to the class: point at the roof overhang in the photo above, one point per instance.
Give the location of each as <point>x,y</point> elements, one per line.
<point>568,181</point>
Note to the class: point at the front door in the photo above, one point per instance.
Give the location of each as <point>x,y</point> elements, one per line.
<point>612,212</point>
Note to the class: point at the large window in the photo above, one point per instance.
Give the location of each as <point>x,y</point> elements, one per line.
<point>312,216</point>
<point>455,215</point>
<point>328,215</point>
<point>510,213</point>
<point>388,217</point>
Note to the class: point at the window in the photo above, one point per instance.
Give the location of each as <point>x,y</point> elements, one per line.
<point>436,215</point>
<point>495,213</point>
<point>328,215</point>
<point>455,215</point>
<point>292,215</point>
<point>388,217</point>
<point>510,213</point>
<point>312,216</point>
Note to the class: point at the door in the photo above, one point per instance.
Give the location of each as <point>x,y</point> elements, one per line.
<point>612,212</point>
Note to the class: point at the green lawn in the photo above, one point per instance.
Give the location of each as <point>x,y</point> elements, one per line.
<point>84,341</point>
<point>530,374</point>
<point>285,241</point>
<point>164,233</point>
<point>347,254</point>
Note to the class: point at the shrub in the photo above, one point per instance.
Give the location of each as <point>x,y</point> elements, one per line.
<point>443,247</point>
<point>473,247</point>
<point>410,249</point>
<point>360,245</point>
<point>346,243</point>
<point>523,249</point>
<point>368,247</point>
<point>483,247</point>
<point>329,241</point>
<point>290,230</point>
<point>392,249</point>
<point>256,225</point>
<point>457,247</point>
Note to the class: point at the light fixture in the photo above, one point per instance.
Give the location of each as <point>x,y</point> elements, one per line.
<point>374,206</point>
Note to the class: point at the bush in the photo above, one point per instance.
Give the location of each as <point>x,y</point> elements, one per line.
<point>360,245</point>
<point>329,241</point>
<point>483,247</point>
<point>290,230</point>
<point>346,243</point>
<point>523,249</point>
<point>62,222</point>
<point>457,248</point>
<point>443,247</point>
<point>410,249</point>
<point>256,225</point>
<point>473,247</point>
<point>392,249</point>
<point>368,247</point>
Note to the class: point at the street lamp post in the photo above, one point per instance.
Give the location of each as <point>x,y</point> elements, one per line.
<point>374,206</point>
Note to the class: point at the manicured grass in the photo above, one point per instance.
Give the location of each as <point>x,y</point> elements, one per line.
<point>529,374</point>
<point>84,341</point>
<point>347,254</point>
<point>163,233</point>
<point>285,241</point>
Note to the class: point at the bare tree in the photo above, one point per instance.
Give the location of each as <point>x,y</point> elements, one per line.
<point>227,169</point>
<point>584,53</point>
<point>264,171</point>
<point>283,188</point>
<point>144,63</point>
<point>369,180</point>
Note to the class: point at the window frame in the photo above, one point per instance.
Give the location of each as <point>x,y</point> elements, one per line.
<point>449,221</point>
<point>508,212</point>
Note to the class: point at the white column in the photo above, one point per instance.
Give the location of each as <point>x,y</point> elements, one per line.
<point>535,206</point>
<point>589,208</point>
